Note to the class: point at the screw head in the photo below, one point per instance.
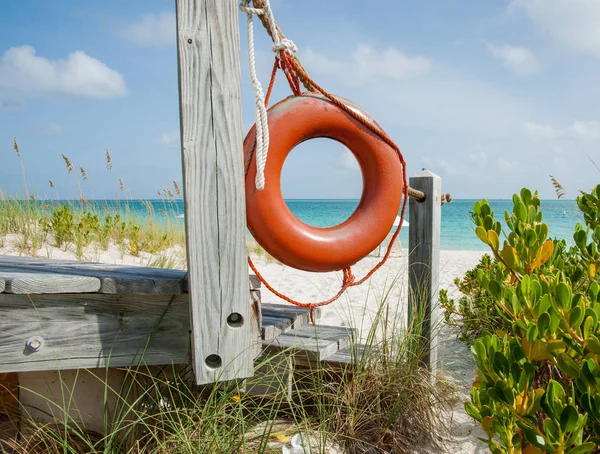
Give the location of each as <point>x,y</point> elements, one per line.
<point>35,343</point>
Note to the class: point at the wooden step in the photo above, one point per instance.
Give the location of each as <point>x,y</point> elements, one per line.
<point>352,354</point>
<point>312,343</point>
<point>278,317</point>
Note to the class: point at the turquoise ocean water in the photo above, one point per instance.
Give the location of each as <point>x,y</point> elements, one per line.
<point>457,228</point>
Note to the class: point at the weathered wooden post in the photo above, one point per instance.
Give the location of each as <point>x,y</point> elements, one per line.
<point>215,216</point>
<point>424,262</point>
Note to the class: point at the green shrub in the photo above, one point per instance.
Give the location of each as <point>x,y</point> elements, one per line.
<point>538,383</point>
<point>475,310</point>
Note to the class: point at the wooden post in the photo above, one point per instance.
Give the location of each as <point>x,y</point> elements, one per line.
<point>215,215</point>
<point>424,262</point>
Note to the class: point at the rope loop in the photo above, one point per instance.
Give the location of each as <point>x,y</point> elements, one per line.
<point>248,9</point>
<point>285,45</point>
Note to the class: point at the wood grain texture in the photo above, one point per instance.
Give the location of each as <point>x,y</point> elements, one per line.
<point>211,132</point>
<point>2,285</point>
<point>36,282</point>
<point>424,261</point>
<point>278,317</point>
<point>93,330</point>
<point>114,279</point>
<point>339,334</point>
<point>255,322</point>
<point>305,348</point>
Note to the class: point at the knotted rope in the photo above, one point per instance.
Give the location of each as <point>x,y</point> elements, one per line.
<point>280,45</point>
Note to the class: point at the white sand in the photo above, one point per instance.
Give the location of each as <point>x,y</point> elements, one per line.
<point>356,308</point>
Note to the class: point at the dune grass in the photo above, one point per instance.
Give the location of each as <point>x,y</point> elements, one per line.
<point>132,226</point>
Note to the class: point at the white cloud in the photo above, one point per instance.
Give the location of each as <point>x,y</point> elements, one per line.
<point>506,164</point>
<point>518,59</point>
<point>444,167</point>
<point>584,130</point>
<point>78,75</point>
<point>349,162</point>
<point>152,29</point>
<point>169,139</point>
<point>479,157</point>
<point>572,23</point>
<point>368,65</point>
<point>444,100</point>
<point>52,128</point>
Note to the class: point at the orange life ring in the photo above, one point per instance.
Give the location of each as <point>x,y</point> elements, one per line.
<point>270,221</point>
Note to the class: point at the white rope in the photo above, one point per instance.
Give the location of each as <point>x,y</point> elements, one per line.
<point>262,125</point>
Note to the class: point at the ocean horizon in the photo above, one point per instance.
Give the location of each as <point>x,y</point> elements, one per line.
<point>457,231</point>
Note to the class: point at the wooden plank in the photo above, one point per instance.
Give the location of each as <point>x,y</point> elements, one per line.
<point>2,285</point>
<point>114,279</point>
<point>255,283</point>
<point>352,354</point>
<point>339,334</point>
<point>300,315</point>
<point>274,326</point>
<point>424,262</point>
<point>93,330</point>
<point>310,349</point>
<point>36,282</point>
<point>215,218</point>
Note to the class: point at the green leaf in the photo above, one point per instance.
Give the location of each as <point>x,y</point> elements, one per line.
<point>481,234</point>
<point>472,411</point>
<point>543,306</point>
<point>478,349</point>
<point>530,237</point>
<point>563,295</point>
<point>592,344</point>
<point>568,365</point>
<point>495,289</point>
<point>576,317</point>
<point>593,291</point>
<point>493,239</point>
<point>501,364</point>
<point>568,418</point>
<point>509,255</point>
<point>535,439</point>
<point>495,394</point>
<point>554,321</point>
<point>583,448</point>
<point>543,323</point>
<point>520,211</point>
<point>551,429</point>
<point>556,347</point>
<point>587,326</point>
<point>580,238</point>
<point>526,196</point>
<point>542,233</point>
<point>488,223</point>
<point>507,392</point>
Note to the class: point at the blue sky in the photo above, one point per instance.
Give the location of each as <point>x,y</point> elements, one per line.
<point>492,95</point>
